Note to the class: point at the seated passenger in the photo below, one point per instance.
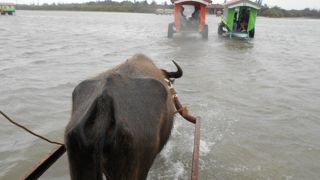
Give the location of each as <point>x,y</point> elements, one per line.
<point>243,27</point>
<point>183,18</point>
<point>194,19</point>
<point>244,19</point>
<point>195,14</point>
<point>235,22</point>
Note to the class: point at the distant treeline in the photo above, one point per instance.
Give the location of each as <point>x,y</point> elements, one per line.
<point>110,6</point>
<point>145,7</point>
<point>278,12</point>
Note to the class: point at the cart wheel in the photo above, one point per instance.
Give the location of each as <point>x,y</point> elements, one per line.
<point>220,29</point>
<point>170,30</point>
<point>251,33</point>
<point>205,32</point>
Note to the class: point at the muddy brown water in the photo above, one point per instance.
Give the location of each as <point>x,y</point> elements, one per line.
<point>259,100</point>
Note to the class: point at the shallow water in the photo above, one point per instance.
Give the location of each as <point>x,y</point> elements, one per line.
<point>259,100</point>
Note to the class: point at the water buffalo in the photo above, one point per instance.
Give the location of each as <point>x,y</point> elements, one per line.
<point>120,121</point>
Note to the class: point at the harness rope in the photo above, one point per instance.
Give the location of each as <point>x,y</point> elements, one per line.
<point>28,130</point>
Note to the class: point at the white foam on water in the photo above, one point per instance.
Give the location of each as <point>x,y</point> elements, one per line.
<point>179,170</point>
<point>204,148</point>
<point>167,151</point>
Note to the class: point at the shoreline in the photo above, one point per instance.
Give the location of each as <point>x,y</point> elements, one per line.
<point>81,10</point>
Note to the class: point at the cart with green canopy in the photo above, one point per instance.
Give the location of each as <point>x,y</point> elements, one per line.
<point>7,8</point>
<point>239,19</point>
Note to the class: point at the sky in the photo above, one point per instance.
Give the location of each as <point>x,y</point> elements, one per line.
<point>286,4</point>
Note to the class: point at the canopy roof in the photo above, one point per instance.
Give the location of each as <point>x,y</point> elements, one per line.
<point>7,4</point>
<point>206,2</point>
<point>238,3</point>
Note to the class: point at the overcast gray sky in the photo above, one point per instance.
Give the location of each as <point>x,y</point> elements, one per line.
<point>286,4</point>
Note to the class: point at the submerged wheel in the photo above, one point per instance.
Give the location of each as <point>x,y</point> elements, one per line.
<point>220,29</point>
<point>205,32</point>
<point>10,13</point>
<point>170,30</point>
<point>251,33</point>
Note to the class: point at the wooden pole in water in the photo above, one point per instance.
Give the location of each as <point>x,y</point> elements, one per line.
<point>195,160</point>
<point>43,165</point>
<point>183,111</point>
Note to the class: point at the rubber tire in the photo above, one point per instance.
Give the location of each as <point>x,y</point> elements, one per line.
<point>170,30</point>
<point>205,32</point>
<point>220,29</point>
<point>251,33</point>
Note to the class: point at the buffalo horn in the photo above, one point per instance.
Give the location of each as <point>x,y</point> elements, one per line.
<point>176,74</point>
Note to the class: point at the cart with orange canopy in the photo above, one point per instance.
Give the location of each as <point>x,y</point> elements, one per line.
<point>189,16</point>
